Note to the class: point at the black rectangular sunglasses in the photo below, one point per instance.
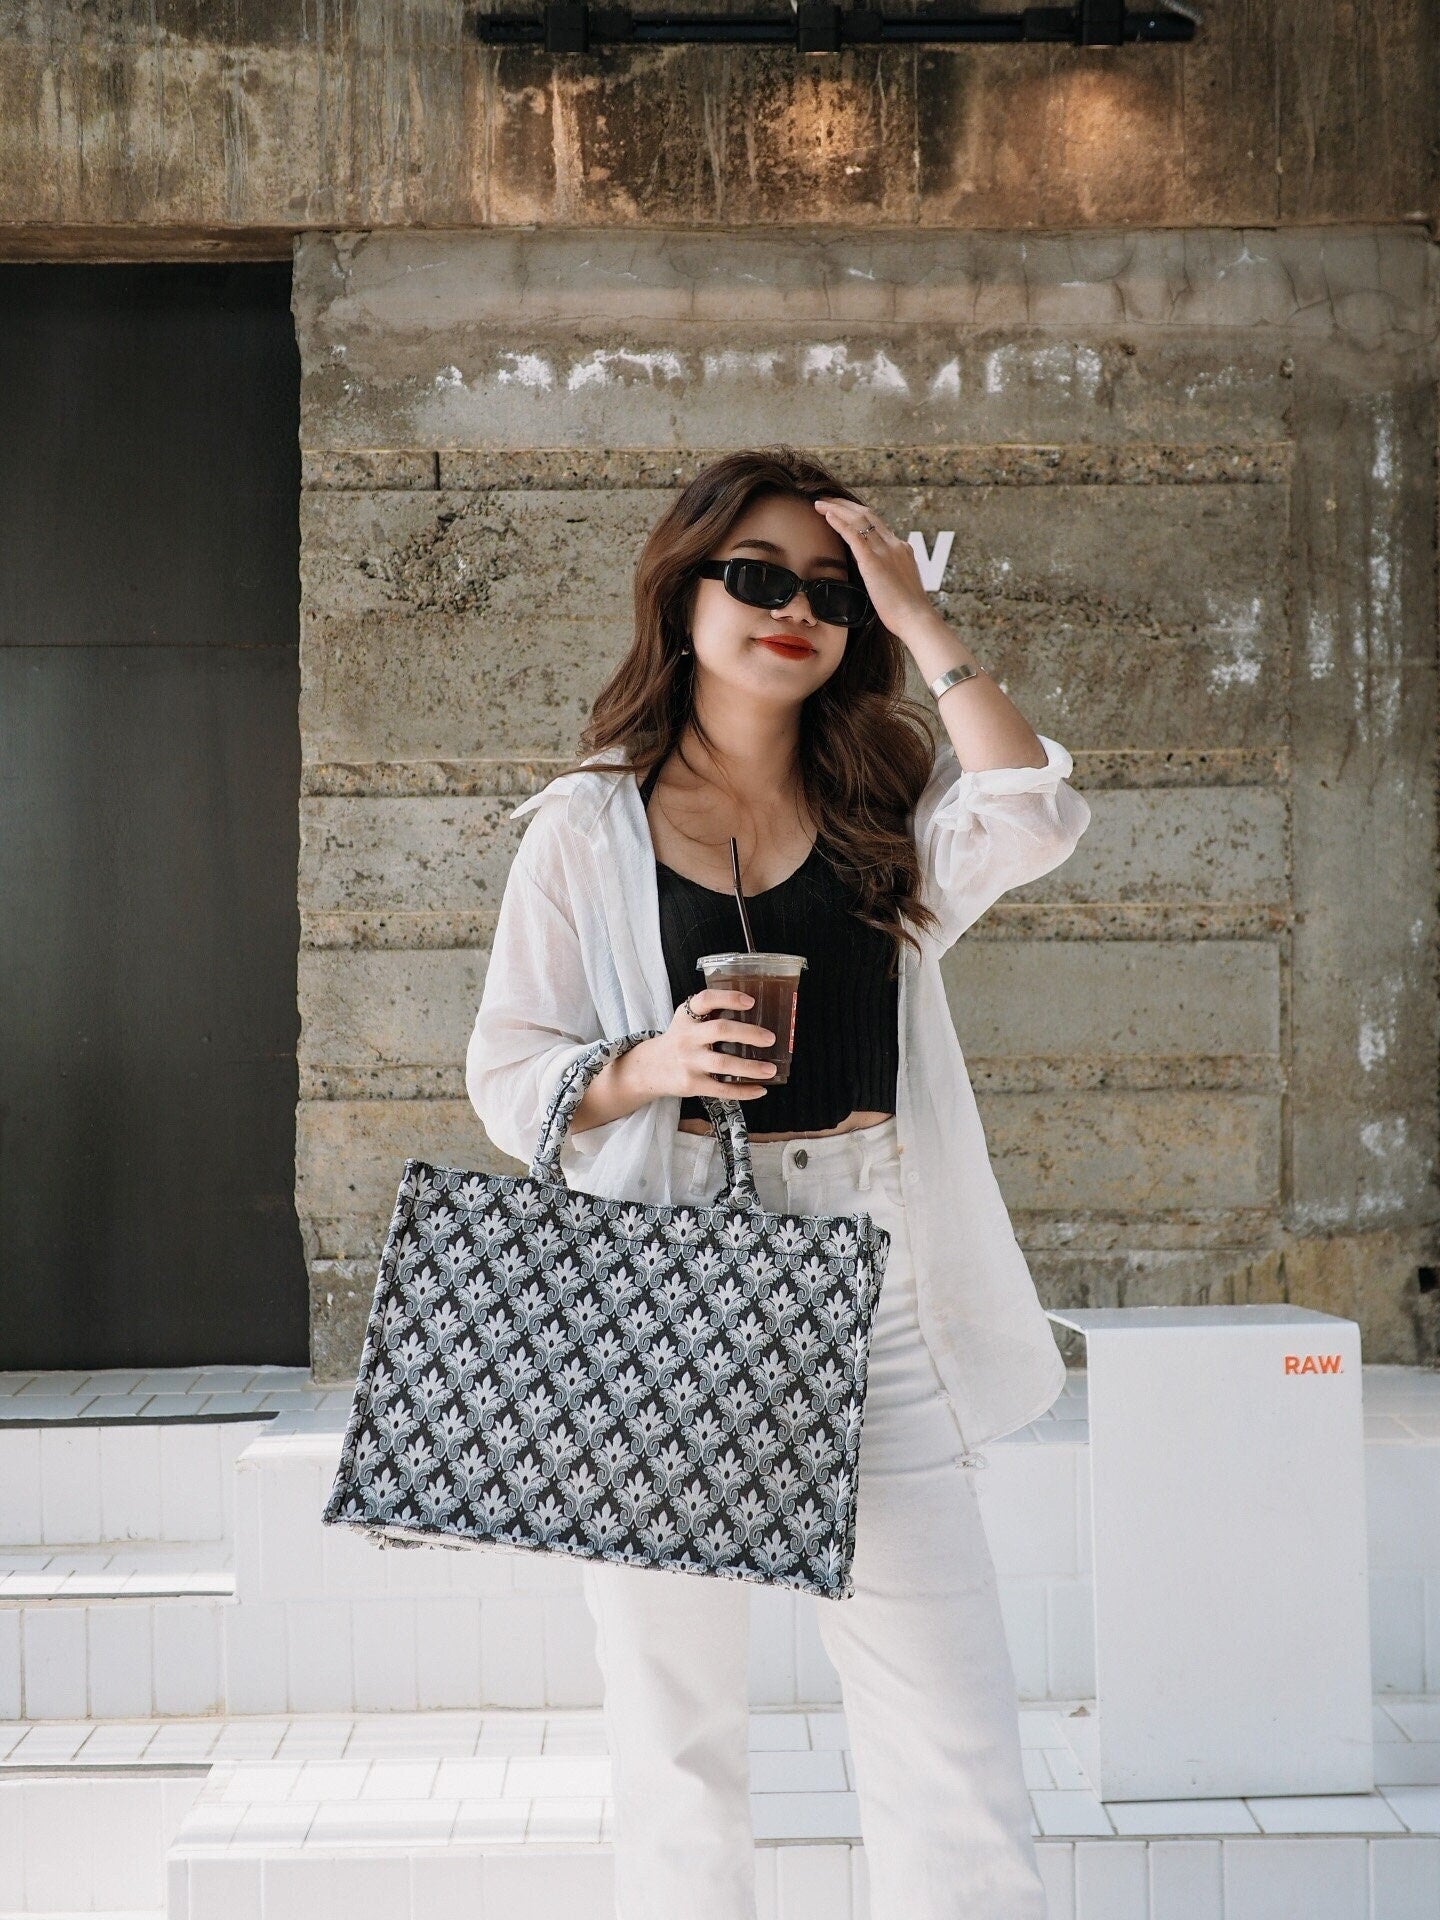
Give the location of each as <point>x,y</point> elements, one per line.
<point>760,583</point>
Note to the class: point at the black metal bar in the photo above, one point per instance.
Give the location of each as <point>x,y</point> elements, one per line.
<point>822,26</point>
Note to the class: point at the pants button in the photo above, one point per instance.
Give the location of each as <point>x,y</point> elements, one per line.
<point>801,1157</point>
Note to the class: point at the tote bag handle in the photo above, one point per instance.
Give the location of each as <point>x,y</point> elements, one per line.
<point>727,1117</point>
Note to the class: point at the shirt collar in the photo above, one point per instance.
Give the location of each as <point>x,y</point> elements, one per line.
<point>590,793</point>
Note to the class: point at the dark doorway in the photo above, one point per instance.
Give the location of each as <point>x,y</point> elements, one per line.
<point>149,833</point>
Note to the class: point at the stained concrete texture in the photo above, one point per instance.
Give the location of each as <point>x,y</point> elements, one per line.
<point>1179,491</point>
<point>182,127</point>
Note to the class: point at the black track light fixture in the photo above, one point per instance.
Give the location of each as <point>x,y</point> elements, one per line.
<point>823,26</point>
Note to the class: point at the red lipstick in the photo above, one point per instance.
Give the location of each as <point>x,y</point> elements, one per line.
<point>786,644</point>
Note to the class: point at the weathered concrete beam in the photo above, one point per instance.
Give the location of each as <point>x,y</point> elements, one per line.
<point>192,125</point>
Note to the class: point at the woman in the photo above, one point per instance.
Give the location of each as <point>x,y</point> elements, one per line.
<point>763,697</point>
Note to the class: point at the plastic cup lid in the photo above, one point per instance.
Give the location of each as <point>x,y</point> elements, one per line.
<point>754,962</point>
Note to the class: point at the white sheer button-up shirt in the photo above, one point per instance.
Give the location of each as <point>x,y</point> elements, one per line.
<point>577,957</point>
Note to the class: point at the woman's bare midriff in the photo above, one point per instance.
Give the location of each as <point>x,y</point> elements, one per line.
<point>847,1125</point>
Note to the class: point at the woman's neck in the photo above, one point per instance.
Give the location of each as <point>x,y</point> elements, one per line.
<point>761,766</point>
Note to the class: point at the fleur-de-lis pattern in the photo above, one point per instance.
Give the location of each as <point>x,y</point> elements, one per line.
<point>668,1386</point>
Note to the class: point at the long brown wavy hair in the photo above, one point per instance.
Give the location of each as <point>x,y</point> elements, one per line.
<point>865,749</point>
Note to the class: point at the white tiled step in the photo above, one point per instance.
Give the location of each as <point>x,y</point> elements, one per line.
<point>78,1841</point>
<point>113,1629</point>
<point>158,1393</point>
<point>381,1812</point>
<point>135,1478</point>
<point>1351,1879</point>
<point>115,1570</point>
<point>125,1454</point>
<point>86,1658</point>
<point>323,1619</point>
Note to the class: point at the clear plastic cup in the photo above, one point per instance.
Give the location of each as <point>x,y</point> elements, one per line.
<point>774,980</point>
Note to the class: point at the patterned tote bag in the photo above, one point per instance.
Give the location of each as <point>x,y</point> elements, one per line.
<point>666,1386</point>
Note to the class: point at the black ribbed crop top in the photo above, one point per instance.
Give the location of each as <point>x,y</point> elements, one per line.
<point>847,1016</point>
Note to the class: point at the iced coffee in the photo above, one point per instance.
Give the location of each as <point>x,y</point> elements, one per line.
<point>774,981</point>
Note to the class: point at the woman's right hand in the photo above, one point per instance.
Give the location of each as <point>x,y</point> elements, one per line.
<point>685,1060</point>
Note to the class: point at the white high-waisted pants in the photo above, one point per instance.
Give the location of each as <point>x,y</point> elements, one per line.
<point>928,1688</point>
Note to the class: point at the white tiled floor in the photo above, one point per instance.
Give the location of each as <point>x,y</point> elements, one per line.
<point>164,1393</point>
<point>521,1773</point>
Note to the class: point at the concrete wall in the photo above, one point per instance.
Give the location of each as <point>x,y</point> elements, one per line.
<point>1190,479</point>
<point>182,126</point>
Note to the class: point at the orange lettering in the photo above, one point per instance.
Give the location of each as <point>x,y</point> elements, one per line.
<point>1312,1363</point>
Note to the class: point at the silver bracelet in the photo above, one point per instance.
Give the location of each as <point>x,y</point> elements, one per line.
<point>952,677</point>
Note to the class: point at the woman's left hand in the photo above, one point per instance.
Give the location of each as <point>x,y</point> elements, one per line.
<point>888,567</point>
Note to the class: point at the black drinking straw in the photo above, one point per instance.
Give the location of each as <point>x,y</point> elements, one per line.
<point>739,896</point>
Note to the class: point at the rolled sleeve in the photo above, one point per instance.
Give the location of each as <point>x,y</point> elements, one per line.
<point>980,834</point>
